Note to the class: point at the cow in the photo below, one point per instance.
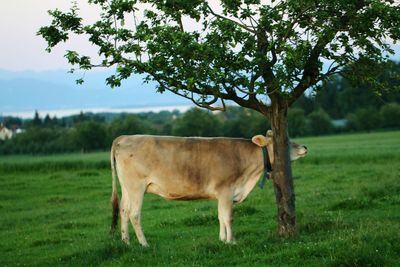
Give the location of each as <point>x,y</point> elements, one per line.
<point>187,168</point>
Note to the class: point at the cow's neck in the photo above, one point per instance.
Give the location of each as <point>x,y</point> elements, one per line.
<point>270,149</point>
<point>251,177</point>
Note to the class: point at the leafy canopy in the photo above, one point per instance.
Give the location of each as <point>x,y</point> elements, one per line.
<point>255,53</point>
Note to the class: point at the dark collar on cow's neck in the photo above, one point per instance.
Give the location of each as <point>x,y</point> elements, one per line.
<point>267,167</point>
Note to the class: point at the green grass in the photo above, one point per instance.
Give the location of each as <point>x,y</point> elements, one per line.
<point>77,161</point>
<point>55,211</point>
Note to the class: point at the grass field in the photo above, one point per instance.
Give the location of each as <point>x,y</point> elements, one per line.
<point>55,211</point>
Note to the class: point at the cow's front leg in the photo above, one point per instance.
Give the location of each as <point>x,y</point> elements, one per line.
<point>225,204</point>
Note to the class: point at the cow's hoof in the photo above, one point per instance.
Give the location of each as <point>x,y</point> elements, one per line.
<point>144,245</point>
<point>231,242</point>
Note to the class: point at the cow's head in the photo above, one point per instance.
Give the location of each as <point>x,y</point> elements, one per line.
<point>296,150</point>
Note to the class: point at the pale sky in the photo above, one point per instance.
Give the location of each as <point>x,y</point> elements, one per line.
<point>21,49</point>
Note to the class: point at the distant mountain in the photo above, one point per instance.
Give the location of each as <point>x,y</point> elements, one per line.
<point>52,90</point>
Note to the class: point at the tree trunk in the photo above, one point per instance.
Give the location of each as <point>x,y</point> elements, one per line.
<point>282,171</point>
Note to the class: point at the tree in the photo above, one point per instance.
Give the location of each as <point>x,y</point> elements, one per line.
<point>36,122</point>
<point>297,122</point>
<point>90,135</point>
<point>243,123</point>
<point>306,103</point>
<point>80,118</point>
<point>320,122</point>
<point>10,122</point>
<point>196,122</point>
<point>261,56</point>
<point>327,97</point>
<point>129,124</point>
<point>368,118</point>
<point>390,115</point>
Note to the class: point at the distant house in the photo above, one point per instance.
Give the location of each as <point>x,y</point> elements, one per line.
<point>5,133</point>
<point>340,123</point>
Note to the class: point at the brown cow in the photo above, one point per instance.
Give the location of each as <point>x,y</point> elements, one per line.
<point>226,169</point>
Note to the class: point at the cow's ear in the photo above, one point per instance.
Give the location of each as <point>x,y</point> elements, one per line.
<point>259,140</point>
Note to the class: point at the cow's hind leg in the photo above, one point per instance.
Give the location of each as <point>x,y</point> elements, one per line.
<point>124,212</point>
<point>136,201</point>
<point>225,219</point>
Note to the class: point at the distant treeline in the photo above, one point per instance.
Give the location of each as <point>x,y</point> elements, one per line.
<point>339,106</point>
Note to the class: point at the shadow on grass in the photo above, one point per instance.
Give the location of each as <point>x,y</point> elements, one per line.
<point>369,197</point>
<point>383,192</point>
<point>211,248</point>
<point>210,219</point>
<point>48,242</point>
<point>358,256</point>
<point>88,174</point>
<point>322,223</point>
<point>59,200</point>
<point>167,223</point>
<point>200,220</point>
<point>73,225</point>
<point>364,249</point>
<point>96,256</point>
<point>245,211</point>
<point>353,204</point>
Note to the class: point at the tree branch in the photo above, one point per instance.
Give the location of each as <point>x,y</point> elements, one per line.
<point>231,20</point>
<point>180,23</point>
<point>293,23</point>
<point>331,71</point>
<point>311,68</point>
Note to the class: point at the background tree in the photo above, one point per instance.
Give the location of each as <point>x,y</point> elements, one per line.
<point>36,122</point>
<point>298,125</point>
<point>161,122</point>
<point>306,103</point>
<point>90,135</point>
<point>263,56</point>
<point>239,122</point>
<point>10,122</point>
<point>369,118</point>
<point>327,97</point>
<point>340,96</point>
<point>320,123</point>
<point>196,122</point>
<point>390,115</point>
<point>128,124</point>
<point>80,118</point>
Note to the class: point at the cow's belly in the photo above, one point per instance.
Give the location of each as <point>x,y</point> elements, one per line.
<point>177,192</point>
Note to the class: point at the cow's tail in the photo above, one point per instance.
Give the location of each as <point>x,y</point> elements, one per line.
<point>114,194</point>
